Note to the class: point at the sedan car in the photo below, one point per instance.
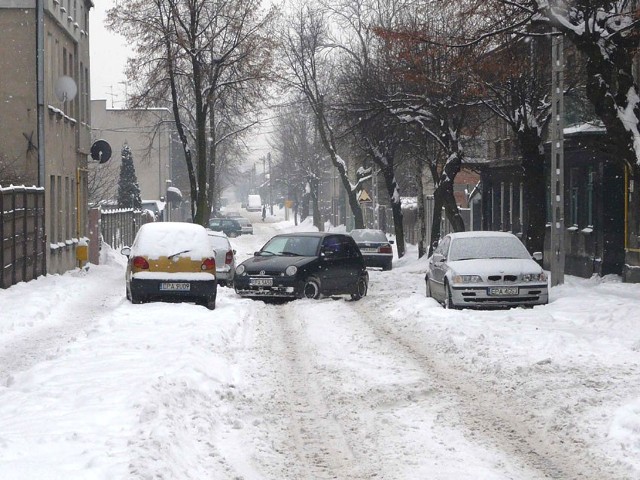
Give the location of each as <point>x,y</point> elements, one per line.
<point>245,223</point>
<point>225,257</point>
<point>171,261</point>
<point>230,226</point>
<point>304,265</point>
<point>485,269</point>
<point>375,247</point>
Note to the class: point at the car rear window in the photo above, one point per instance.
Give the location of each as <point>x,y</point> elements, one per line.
<point>161,239</point>
<point>368,236</point>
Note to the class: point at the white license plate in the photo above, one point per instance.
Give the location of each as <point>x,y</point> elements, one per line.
<point>175,287</point>
<point>503,291</point>
<point>368,250</point>
<point>261,282</point>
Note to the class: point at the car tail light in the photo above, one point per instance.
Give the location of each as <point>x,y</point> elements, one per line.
<point>208,264</point>
<point>228,258</point>
<point>141,263</point>
<point>385,249</point>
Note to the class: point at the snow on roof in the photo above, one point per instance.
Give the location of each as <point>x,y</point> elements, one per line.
<point>158,239</point>
<point>586,127</point>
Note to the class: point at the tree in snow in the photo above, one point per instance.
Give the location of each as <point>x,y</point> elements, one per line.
<point>128,189</point>
<point>198,57</point>
<point>436,98</point>
<point>307,50</point>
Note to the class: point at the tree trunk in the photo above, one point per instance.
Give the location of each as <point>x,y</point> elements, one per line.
<point>396,208</point>
<point>422,224</point>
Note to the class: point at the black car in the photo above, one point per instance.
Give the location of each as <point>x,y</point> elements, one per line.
<point>230,226</point>
<point>304,265</point>
<point>375,247</point>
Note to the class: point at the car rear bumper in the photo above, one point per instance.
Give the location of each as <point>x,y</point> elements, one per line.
<point>151,289</point>
<point>379,260</point>
<point>479,297</point>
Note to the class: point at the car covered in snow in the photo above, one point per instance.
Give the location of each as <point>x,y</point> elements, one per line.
<point>304,265</point>
<point>171,261</point>
<point>485,269</point>
<point>225,257</point>
<point>375,247</point>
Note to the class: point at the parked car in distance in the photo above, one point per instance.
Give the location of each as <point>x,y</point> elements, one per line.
<point>171,261</point>
<point>254,203</point>
<point>485,269</point>
<point>304,265</point>
<point>225,257</point>
<point>247,226</point>
<point>230,226</point>
<point>375,247</point>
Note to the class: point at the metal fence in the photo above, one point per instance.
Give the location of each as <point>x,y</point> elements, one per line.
<point>119,227</point>
<point>22,251</point>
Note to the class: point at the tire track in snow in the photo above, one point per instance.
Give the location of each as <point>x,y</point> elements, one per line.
<point>494,417</point>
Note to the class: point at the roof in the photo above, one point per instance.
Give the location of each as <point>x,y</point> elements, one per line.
<point>480,233</point>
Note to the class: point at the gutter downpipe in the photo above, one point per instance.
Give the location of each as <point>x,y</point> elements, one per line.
<point>40,88</point>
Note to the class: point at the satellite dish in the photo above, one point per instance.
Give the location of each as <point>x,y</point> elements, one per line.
<point>101,151</point>
<point>66,88</point>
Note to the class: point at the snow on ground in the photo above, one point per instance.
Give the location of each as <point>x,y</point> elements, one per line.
<point>391,387</point>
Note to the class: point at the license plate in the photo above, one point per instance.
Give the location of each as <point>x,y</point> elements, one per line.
<point>261,282</point>
<point>368,250</point>
<point>503,291</point>
<point>175,287</point>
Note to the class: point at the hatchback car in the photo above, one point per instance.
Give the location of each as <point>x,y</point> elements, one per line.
<point>485,269</point>
<point>304,265</point>
<point>230,226</point>
<point>375,247</point>
<point>171,261</point>
<point>225,257</point>
<point>245,223</point>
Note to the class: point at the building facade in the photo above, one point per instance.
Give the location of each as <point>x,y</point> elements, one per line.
<point>44,93</point>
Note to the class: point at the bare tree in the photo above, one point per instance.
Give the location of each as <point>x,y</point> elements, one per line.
<point>204,54</point>
<point>306,48</point>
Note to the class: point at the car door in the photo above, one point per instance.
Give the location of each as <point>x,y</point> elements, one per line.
<point>353,264</point>
<point>438,268</point>
<point>331,268</point>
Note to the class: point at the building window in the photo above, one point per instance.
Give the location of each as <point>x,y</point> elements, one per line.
<point>589,206</point>
<point>574,197</point>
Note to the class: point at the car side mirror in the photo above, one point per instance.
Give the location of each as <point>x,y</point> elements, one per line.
<point>256,254</point>
<point>126,251</point>
<point>391,242</point>
<point>537,256</point>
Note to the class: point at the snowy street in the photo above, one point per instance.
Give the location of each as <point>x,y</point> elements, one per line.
<point>390,387</point>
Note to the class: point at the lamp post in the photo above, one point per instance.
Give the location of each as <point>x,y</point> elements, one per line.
<point>270,186</point>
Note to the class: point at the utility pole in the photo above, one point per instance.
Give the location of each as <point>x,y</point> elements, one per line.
<point>270,186</point>
<point>557,160</point>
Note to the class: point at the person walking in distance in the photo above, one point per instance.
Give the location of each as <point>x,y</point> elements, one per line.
<point>264,212</point>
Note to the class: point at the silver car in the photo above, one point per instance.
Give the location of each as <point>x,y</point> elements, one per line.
<point>485,269</point>
<point>225,257</point>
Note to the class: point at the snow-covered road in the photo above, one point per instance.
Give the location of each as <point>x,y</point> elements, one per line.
<point>389,387</point>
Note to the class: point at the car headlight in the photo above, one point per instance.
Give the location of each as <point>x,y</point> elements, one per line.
<point>467,279</point>
<point>534,277</point>
<point>240,269</point>
<point>291,270</point>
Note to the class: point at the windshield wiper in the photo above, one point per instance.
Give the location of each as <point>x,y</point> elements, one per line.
<point>179,253</point>
<point>291,253</point>
<point>265,252</point>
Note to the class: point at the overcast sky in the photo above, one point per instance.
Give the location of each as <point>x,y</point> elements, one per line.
<point>108,57</point>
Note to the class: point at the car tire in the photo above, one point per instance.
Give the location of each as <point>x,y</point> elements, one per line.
<point>361,289</point>
<point>210,303</point>
<point>233,234</point>
<point>135,299</point>
<point>428,288</point>
<point>127,293</point>
<point>448,301</point>
<point>311,288</point>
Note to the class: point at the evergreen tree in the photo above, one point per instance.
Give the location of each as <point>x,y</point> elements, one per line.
<point>128,189</point>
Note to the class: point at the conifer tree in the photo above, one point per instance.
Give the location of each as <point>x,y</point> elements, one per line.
<point>128,189</point>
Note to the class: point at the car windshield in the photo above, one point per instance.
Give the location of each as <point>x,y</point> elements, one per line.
<point>369,236</point>
<point>487,247</point>
<point>292,245</point>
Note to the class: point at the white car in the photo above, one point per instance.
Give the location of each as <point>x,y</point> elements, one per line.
<point>225,257</point>
<point>485,269</point>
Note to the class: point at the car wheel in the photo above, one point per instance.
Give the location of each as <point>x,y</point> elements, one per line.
<point>311,288</point>
<point>448,301</point>
<point>233,234</point>
<point>127,292</point>
<point>210,302</point>
<point>361,289</point>
<point>428,288</point>
<point>135,299</point>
